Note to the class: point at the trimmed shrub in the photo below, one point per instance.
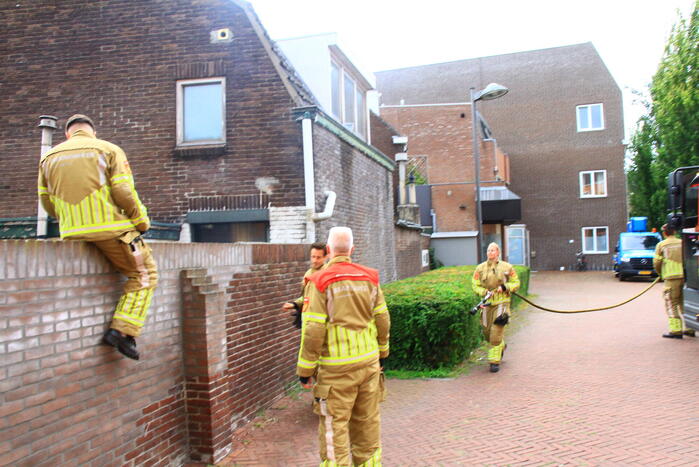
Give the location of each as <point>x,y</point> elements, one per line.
<point>430,322</point>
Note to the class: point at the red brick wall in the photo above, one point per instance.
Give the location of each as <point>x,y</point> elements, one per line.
<point>409,246</point>
<point>119,63</point>
<point>215,350</point>
<point>443,134</point>
<point>364,200</point>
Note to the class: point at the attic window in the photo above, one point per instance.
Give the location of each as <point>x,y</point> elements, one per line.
<point>348,101</point>
<point>201,112</point>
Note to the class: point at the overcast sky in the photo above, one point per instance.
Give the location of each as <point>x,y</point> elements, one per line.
<point>630,35</point>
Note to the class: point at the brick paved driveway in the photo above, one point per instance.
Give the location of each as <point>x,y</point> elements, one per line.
<point>586,389</point>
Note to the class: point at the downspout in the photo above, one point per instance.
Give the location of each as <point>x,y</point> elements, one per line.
<point>329,207</point>
<point>47,123</point>
<point>309,175</point>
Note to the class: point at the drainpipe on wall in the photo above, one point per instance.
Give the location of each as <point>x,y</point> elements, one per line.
<point>309,175</point>
<point>47,123</point>
<point>329,207</point>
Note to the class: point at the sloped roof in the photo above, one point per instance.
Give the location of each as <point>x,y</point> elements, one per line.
<point>297,88</point>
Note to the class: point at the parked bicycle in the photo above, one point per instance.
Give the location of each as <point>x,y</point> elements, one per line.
<point>580,261</point>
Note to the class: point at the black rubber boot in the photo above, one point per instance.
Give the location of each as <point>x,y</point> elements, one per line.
<point>126,345</point>
<point>494,367</point>
<point>673,335</point>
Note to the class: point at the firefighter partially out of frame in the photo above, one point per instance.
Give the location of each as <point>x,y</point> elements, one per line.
<point>500,278</point>
<point>345,336</point>
<point>86,184</point>
<point>668,264</point>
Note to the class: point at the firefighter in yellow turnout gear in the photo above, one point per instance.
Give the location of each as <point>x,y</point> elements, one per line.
<point>500,278</point>
<point>668,264</point>
<point>86,184</point>
<point>345,334</point>
<point>317,258</point>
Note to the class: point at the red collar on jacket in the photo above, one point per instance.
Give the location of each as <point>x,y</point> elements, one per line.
<point>341,268</point>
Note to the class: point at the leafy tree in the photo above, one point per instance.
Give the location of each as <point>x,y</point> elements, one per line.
<point>668,136</point>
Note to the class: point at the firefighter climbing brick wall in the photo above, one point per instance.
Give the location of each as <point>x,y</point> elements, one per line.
<point>86,184</point>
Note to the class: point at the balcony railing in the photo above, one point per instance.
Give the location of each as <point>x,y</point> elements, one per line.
<point>228,202</point>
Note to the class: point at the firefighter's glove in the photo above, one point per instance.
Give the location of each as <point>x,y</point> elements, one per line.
<point>305,381</point>
<point>502,320</point>
<point>297,319</point>
<point>382,361</point>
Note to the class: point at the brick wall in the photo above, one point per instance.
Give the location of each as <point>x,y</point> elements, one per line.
<point>364,200</point>
<point>443,134</point>
<point>215,350</point>
<point>409,246</point>
<point>127,74</point>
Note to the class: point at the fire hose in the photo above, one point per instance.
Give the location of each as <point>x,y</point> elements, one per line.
<point>589,309</point>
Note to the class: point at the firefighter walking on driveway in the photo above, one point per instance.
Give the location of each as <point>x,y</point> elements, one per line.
<point>500,278</point>
<point>86,184</point>
<point>345,335</point>
<point>668,264</point>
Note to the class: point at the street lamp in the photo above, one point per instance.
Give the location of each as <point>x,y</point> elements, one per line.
<point>490,92</point>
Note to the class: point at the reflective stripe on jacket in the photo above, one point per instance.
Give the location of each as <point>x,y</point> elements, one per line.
<point>490,275</point>
<point>86,184</point>
<point>345,319</point>
<point>668,258</point>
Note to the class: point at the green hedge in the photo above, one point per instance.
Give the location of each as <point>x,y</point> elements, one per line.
<point>430,324</point>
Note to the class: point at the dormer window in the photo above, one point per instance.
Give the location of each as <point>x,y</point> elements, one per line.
<point>348,100</point>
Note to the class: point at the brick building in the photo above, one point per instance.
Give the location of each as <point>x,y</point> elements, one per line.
<point>561,125</point>
<point>224,138</point>
<point>442,136</point>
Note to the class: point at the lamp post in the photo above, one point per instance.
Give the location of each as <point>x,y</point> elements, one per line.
<point>490,92</point>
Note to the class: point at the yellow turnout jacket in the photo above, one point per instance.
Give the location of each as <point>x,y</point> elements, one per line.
<point>86,184</point>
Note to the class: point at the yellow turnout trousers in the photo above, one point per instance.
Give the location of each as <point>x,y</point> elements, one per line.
<point>348,405</point>
<point>494,333</point>
<point>672,295</point>
<point>132,257</point>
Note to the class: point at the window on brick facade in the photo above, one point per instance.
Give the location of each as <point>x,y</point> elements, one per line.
<point>348,101</point>
<point>349,118</point>
<point>590,117</point>
<point>231,232</point>
<point>593,184</point>
<point>335,91</point>
<point>595,240</point>
<point>201,112</point>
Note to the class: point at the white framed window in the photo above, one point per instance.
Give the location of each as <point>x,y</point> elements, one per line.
<point>593,184</point>
<point>349,115</point>
<point>348,100</point>
<point>201,111</point>
<point>335,90</point>
<point>595,240</point>
<point>590,117</point>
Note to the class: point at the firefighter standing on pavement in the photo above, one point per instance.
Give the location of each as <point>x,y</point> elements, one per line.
<point>668,264</point>
<point>500,278</point>
<point>86,184</point>
<point>317,259</point>
<point>345,334</point>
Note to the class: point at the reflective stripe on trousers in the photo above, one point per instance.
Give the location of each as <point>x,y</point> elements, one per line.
<point>132,257</point>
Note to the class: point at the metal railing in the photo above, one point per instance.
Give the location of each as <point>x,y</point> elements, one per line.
<point>229,202</point>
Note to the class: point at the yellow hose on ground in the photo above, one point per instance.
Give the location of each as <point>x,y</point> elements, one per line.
<point>589,309</point>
